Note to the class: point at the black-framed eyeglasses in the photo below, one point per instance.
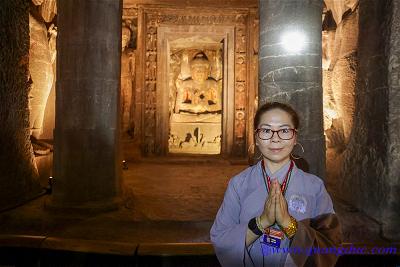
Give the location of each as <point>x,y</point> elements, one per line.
<point>284,134</point>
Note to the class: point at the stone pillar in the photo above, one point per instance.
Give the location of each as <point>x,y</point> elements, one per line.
<point>293,74</point>
<point>391,207</point>
<point>86,153</point>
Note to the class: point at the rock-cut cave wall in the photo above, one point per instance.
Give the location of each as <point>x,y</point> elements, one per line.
<point>363,139</point>
<point>17,168</point>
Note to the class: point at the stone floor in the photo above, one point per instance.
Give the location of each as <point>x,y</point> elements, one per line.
<point>176,191</point>
<point>167,209</point>
<point>172,202</point>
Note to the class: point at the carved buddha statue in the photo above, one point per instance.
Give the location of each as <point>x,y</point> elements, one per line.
<point>200,93</point>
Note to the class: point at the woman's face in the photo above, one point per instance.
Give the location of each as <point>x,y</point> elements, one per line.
<point>276,149</point>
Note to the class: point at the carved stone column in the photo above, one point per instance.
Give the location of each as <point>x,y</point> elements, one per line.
<point>290,68</point>
<point>86,154</point>
<point>391,211</point>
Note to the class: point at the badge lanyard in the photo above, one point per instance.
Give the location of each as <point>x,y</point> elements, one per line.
<point>285,183</point>
<point>273,238</point>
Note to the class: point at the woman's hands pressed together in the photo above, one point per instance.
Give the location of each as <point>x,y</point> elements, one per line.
<point>275,208</point>
<point>275,211</point>
<point>282,215</point>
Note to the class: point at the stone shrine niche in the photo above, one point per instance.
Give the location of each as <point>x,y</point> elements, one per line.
<point>195,90</point>
<point>192,89</point>
<point>195,100</point>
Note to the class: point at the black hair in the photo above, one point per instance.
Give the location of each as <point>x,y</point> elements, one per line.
<point>277,105</point>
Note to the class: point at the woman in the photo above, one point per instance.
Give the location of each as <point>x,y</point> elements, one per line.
<point>273,213</point>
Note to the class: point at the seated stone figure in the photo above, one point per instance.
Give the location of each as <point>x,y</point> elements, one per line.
<point>200,93</point>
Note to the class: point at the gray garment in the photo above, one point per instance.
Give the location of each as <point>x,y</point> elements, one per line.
<point>245,198</point>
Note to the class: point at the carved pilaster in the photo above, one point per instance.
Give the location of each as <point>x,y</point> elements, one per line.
<point>150,107</point>
<point>241,65</point>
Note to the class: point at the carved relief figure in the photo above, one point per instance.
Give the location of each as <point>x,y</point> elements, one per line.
<point>200,93</point>
<point>339,62</point>
<point>151,66</point>
<point>241,68</point>
<point>52,44</point>
<point>41,73</point>
<point>127,81</point>
<point>151,39</point>
<point>241,40</point>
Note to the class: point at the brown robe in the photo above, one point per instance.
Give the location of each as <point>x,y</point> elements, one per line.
<point>321,232</point>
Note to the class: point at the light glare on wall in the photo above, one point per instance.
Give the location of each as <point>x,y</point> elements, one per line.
<point>293,41</point>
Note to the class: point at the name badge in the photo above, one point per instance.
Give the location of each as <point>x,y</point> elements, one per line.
<point>273,238</point>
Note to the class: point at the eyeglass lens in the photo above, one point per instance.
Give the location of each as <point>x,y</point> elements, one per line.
<point>284,134</point>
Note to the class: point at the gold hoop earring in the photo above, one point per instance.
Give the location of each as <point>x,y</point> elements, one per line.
<point>251,148</point>
<point>302,151</point>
